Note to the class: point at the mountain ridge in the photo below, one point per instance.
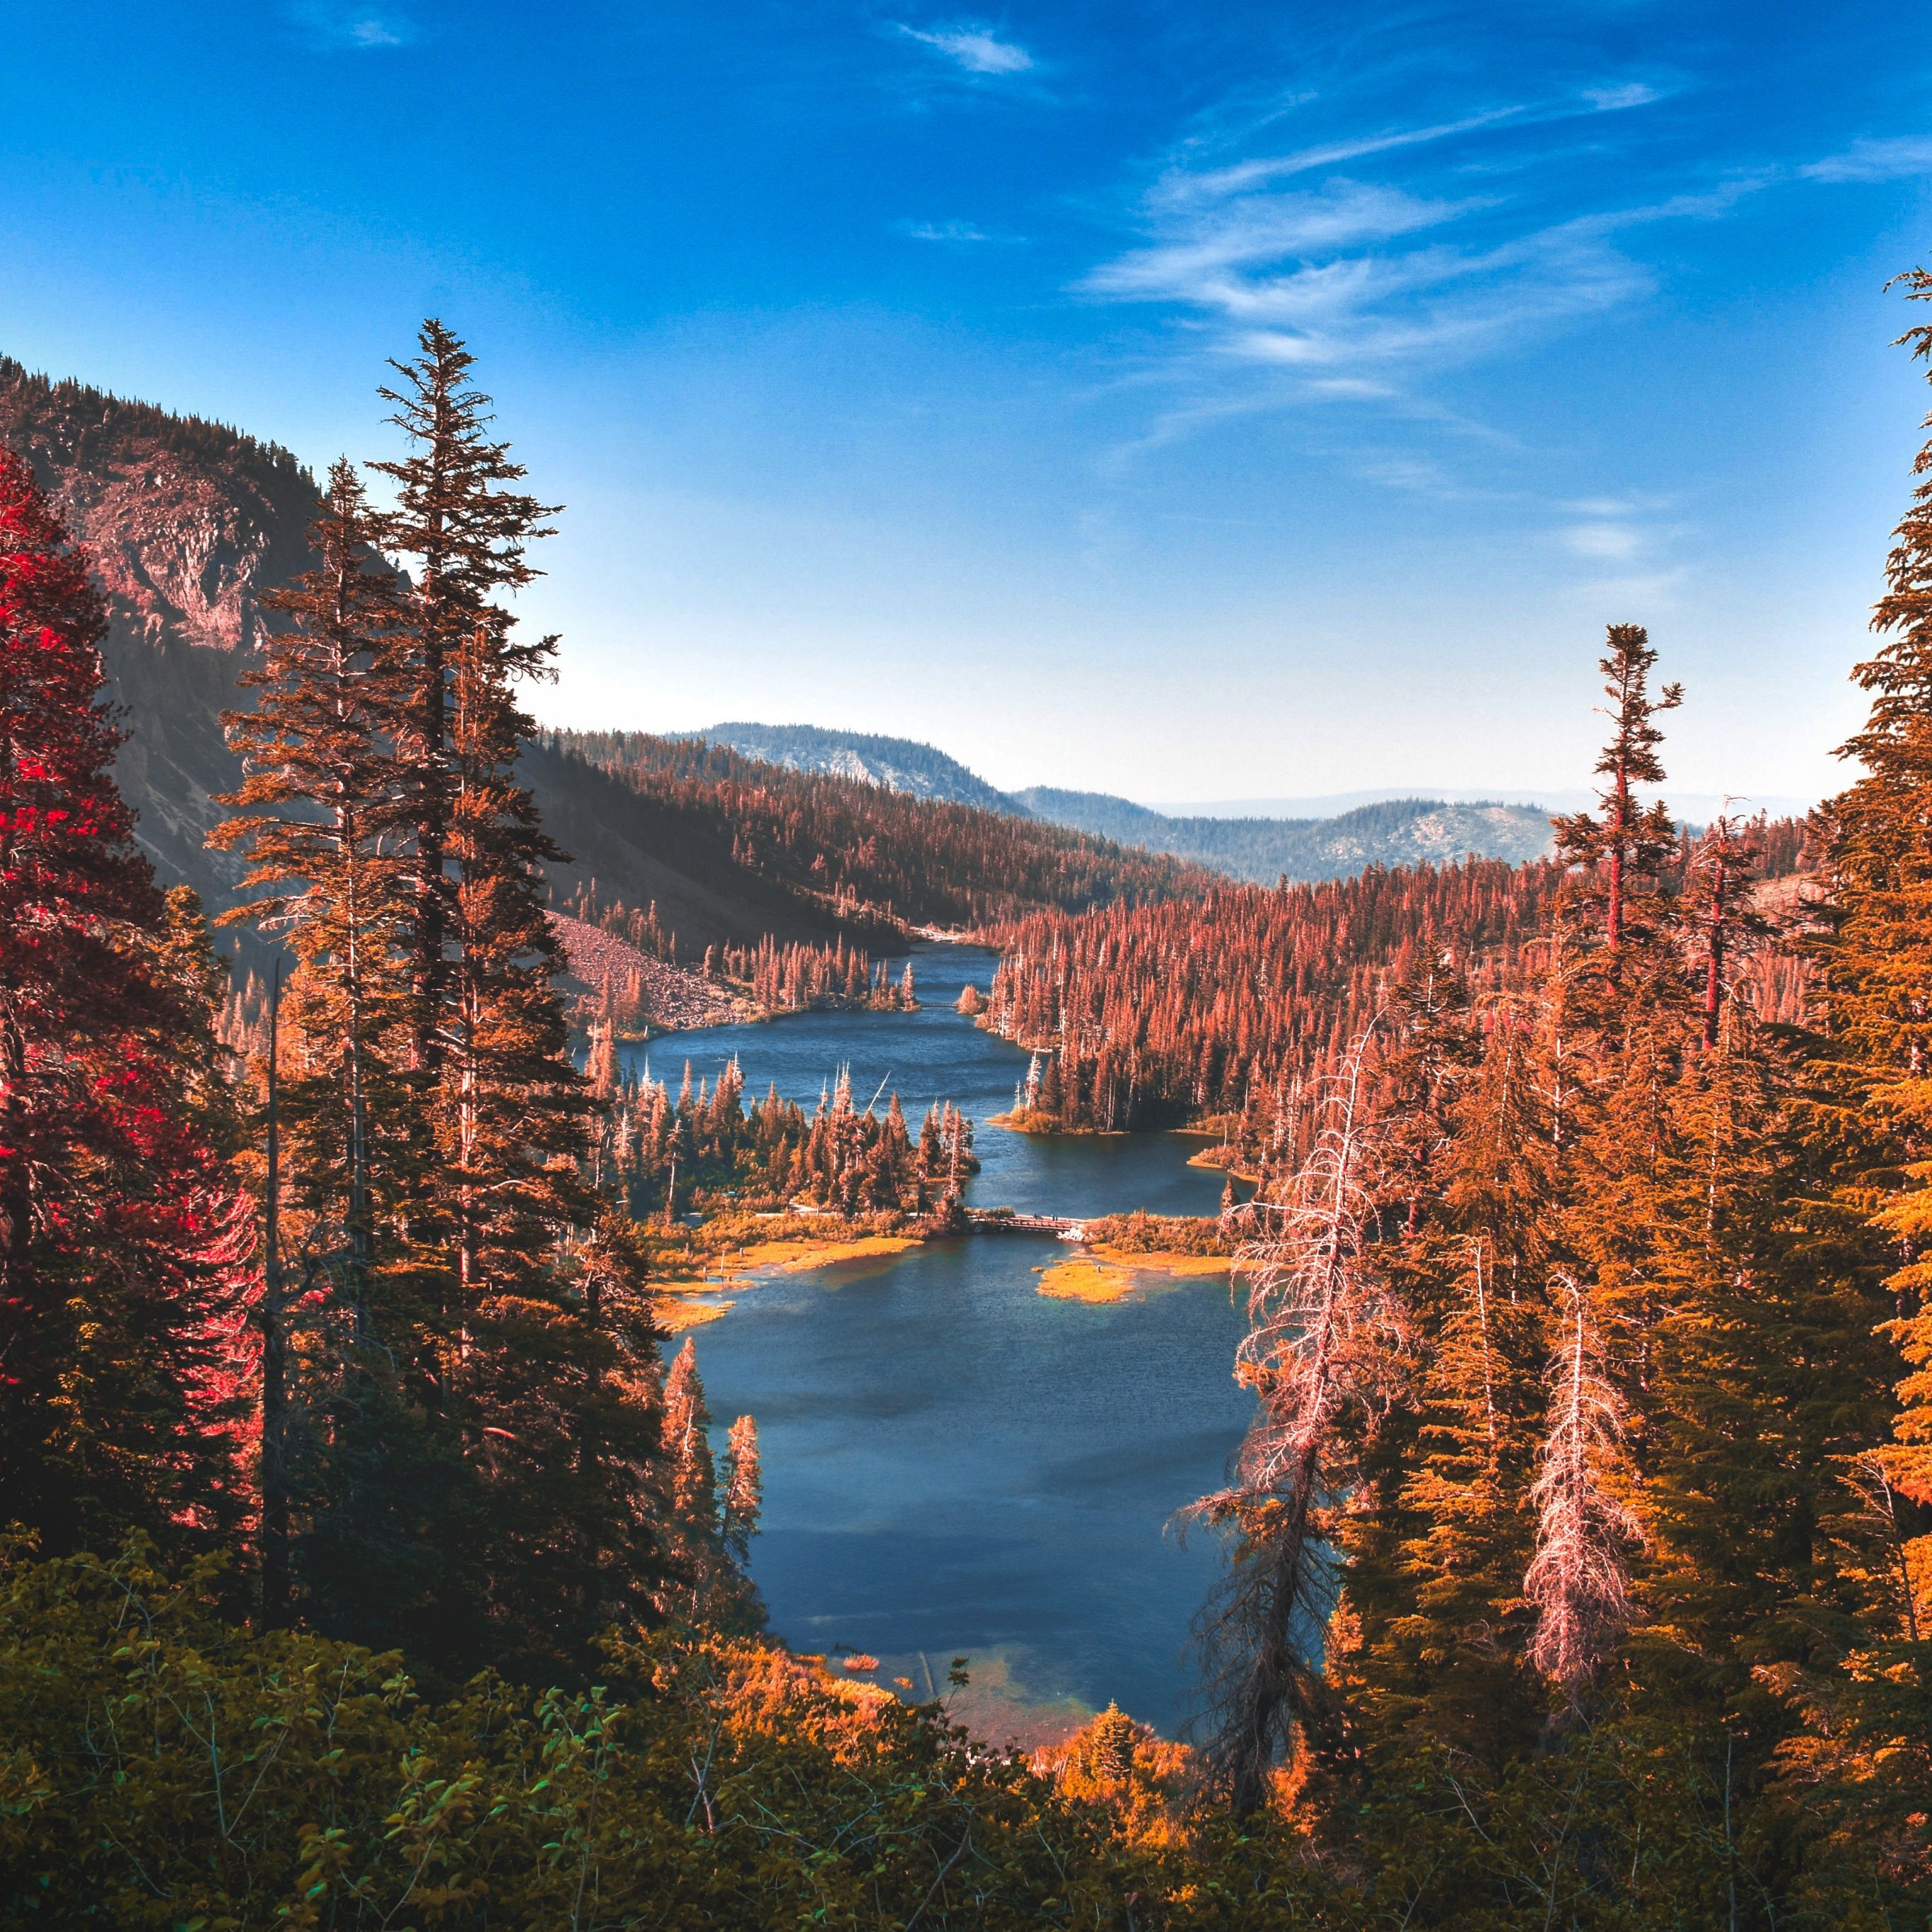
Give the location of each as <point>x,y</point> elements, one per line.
<point>1394,831</point>
<point>906,765</point>
<point>1256,848</point>
<point>189,522</point>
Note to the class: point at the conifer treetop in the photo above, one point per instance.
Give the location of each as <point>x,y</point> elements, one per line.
<point>453,511</point>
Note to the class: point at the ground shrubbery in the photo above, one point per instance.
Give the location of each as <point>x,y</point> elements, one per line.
<point>163,1766</point>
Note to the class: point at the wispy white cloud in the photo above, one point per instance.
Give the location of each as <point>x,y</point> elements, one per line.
<point>958,232</point>
<point>351,25</point>
<point>1309,281</point>
<point>1211,253</point>
<point>943,231</point>
<point>1633,505</point>
<point>1654,592</point>
<point>1180,186</point>
<point>1381,283</point>
<point>1360,388</point>
<point>1417,475</point>
<point>976,48</point>
<point>1607,543</point>
<point>1625,544</point>
<point>1869,160</point>
<point>1615,100</point>
<point>1362,263</point>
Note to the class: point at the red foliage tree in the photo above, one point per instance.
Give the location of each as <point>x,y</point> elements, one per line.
<point>120,1230</point>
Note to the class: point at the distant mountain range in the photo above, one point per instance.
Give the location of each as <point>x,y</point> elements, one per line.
<point>1259,847</point>
<point>899,764</point>
<point>1687,808</point>
<point>1395,832</point>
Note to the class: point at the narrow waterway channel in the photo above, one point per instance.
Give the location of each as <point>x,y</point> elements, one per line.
<point>956,1464</point>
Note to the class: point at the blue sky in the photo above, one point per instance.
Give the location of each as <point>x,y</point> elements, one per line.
<point>1191,401</point>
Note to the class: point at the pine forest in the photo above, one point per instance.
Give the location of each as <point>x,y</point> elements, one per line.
<point>374,1558</point>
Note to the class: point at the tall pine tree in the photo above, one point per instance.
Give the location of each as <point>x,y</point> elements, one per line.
<point>480,1405</point>
<point>1869,1741</point>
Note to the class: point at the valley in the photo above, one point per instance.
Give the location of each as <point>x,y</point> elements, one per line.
<point>649,1255</point>
<point>958,1463</point>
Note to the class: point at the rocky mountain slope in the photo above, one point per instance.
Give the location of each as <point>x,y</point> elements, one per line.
<point>188,520</point>
<point>187,523</point>
<point>899,764</point>
<point>190,523</point>
<point>1396,831</point>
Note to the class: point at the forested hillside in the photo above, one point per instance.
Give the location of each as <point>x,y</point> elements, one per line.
<point>861,849</point>
<point>1158,1016</point>
<point>1228,1006</point>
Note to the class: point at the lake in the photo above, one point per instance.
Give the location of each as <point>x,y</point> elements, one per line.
<point>954,1463</point>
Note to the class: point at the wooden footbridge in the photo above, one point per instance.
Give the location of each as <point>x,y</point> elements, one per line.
<point>1005,1221</point>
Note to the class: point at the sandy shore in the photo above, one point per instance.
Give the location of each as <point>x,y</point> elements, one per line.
<point>1101,1274</point>
<point>676,1312</point>
<point>688,1301</point>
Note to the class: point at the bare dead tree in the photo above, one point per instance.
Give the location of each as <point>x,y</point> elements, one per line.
<point>1579,1578</point>
<point>1726,927</point>
<point>1319,1324</point>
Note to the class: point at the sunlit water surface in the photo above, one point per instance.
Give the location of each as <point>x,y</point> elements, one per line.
<point>955,1463</point>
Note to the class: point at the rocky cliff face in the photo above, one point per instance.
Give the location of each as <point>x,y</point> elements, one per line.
<point>188,521</point>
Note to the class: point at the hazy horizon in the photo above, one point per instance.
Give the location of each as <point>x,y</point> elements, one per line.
<point>1684,803</point>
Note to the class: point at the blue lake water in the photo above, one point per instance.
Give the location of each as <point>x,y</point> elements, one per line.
<point>955,1463</point>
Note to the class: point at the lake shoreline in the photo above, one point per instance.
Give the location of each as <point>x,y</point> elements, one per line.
<point>1095,1272</point>
<point>1100,1273</point>
<point>679,1300</point>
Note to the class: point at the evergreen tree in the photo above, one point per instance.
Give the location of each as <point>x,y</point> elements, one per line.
<point>319,814</point>
<point>1764,1382</point>
<point>122,1241</point>
<point>465,534</point>
<point>1319,1322</point>
<point>1871,1131</point>
<point>477,1379</point>
<point>543,1370</point>
<point>1578,1582</point>
<point>1629,842</point>
<point>743,1491</point>
<point>711,1531</point>
<point>1433,1047</point>
<point>692,1476</point>
<point>1879,963</point>
<point>1718,909</point>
